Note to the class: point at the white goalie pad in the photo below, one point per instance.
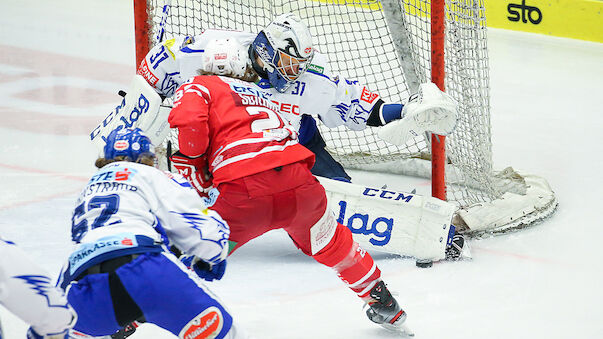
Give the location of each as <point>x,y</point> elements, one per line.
<point>390,221</point>
<point>141,107</point>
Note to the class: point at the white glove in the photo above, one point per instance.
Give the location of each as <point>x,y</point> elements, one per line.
<point>430,110</point>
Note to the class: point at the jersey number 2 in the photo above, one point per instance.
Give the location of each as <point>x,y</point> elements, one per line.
<point>272,121</point>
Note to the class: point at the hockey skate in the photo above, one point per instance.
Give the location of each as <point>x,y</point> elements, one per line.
<point>383,309</point>
<point>457,248</point>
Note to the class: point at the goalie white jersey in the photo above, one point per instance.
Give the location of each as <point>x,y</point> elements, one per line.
<point>318,92</point>
<point>129,208</point>
<point>28,292</point>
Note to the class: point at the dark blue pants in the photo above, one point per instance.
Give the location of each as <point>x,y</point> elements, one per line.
<point>168,295</point>
<point>325,165</point>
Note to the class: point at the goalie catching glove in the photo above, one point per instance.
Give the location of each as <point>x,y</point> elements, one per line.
<point>430,110</point>
<point>195,170</point>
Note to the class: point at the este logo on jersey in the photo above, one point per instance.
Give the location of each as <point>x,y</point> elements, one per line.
<point>113,173</point>
<point>123,175</point>
<point>207,324</point>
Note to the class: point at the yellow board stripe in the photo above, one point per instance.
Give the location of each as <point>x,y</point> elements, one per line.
<point>578,19</point>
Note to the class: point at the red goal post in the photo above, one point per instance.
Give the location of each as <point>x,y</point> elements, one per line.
<point>438,142</point>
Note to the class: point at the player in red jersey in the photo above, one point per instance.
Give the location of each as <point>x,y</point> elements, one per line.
<point>262,178</point>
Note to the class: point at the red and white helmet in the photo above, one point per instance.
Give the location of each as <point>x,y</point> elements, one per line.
<point>225,57</point>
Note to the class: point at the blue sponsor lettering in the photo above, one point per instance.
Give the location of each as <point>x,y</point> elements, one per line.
<point>88,251</point>
<point>126,120</point>
<point>107,119</point>
<point>115,172</point>
<point>361,224</point>
<point>249,90</point>
<point>143,107</point>
<point>384,194</point>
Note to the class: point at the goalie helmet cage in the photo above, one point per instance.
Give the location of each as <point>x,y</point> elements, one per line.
<point>392,46</point>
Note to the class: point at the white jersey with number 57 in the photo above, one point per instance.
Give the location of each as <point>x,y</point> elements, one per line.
<point>318,92</point>
<point>128,207</point>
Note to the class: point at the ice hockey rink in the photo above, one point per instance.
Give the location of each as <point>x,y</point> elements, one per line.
<point>62,63</point>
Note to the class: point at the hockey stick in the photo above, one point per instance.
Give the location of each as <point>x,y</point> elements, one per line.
<point>164,15</point>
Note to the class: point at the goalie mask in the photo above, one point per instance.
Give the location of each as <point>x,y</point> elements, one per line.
<point>285,49</point>
<point>225,57</point>
<point>128,142</point>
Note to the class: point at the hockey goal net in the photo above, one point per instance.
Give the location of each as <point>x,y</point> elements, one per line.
<point>389,46</point>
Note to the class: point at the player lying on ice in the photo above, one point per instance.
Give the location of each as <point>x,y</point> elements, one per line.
<point>121,269</point>
<point>296,78</point>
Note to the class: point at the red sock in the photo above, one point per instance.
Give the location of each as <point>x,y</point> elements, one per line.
<point>352,263</point>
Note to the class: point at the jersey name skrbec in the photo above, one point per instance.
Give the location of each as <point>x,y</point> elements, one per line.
<point>235,125</point>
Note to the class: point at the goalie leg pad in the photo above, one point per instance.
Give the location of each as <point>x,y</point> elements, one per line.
<point>390,221</point>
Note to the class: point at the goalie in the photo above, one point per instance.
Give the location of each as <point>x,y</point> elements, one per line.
<point>294,76</point>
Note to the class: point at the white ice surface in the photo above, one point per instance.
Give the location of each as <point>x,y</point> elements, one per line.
<point>63,61</point>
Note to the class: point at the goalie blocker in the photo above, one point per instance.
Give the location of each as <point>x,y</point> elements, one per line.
<point>391,221</point>
<point>140,108</point>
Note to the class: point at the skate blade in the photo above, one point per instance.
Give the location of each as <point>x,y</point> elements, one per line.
<point>403,330</point>
<point>466,251</point>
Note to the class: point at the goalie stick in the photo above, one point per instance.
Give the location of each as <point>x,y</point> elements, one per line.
<point>164,15</point>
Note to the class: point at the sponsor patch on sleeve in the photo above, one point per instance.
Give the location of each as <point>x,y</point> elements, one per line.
<point>368,96</point>
<point>146,73</point>
<point>316,69</point>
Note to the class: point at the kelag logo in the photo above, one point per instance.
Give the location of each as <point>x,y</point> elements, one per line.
<point>380,227</point>
<point>524,13</point>
<point>134,115</point>
<point>376,227</point>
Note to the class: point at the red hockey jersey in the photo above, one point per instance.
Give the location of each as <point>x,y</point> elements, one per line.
<point>236,125</point>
